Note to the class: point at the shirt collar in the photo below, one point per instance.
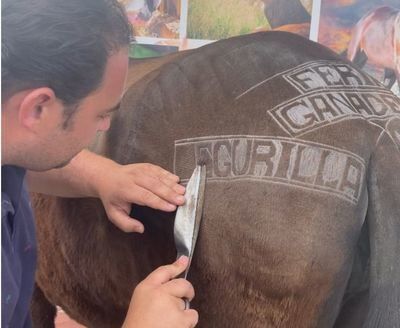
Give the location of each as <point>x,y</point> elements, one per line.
<point>12,179</point>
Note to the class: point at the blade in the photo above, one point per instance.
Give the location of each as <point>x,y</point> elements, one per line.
<point>188,216</point>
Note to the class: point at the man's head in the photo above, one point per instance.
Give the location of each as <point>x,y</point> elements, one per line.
<point>62,62</point>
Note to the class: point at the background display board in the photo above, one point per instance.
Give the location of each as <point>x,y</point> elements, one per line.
<point>365,31</point>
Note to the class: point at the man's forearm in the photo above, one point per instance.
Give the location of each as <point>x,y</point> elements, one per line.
<point>74,180</point>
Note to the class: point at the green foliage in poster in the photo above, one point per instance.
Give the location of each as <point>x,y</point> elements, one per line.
<point>219,19</point>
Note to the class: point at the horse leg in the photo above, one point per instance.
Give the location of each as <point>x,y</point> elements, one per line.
<point>360,59</point>
<point>42,311</point>
<point>390,78</point>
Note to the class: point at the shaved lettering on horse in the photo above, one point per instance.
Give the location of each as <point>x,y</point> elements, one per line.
<point>311,166</point>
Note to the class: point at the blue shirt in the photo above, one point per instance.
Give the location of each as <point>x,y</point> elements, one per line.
<point>18,249</point>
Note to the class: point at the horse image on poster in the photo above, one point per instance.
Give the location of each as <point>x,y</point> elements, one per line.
<point>377,34</point>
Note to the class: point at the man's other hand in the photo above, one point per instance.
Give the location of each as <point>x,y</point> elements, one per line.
<point>142,184</point>
<point>157,301</point>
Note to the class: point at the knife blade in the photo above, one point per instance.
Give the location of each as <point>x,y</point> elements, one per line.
<point>188,216</point>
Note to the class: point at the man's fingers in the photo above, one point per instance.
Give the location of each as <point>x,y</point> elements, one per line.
<point>159,172</point>
<point>123,221</point>
<point>172,181</point>
<point>166,177</point>
<point>142,196</point>
<point>164,174</point>
<point>165,273</point>
<point>160,189</point>
<point>180,288</point>
<point>176,187</point>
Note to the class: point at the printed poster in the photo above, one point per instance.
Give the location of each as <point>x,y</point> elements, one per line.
<point>367,32</point>
<point>164,26</point>
<point>157,24</point>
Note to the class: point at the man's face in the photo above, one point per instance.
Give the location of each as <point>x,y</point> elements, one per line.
<point>57,148</point>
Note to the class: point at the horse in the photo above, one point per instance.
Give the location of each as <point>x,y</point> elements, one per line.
<point>301,210</point>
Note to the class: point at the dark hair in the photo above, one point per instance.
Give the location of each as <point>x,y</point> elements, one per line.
<point>60,44</point>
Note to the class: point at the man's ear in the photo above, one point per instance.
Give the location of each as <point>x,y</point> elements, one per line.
<point>36,106</point>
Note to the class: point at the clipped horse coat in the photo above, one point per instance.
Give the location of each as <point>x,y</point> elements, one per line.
<point>303,162</point>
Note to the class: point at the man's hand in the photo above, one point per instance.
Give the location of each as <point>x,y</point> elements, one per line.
<point>142,184</point>
<point>118,186</point>
<point>157,301</point>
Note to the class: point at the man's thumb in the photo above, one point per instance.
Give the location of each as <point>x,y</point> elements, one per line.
<point>165,273</point>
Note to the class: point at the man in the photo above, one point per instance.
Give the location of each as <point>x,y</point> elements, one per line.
<point>64,67</point>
